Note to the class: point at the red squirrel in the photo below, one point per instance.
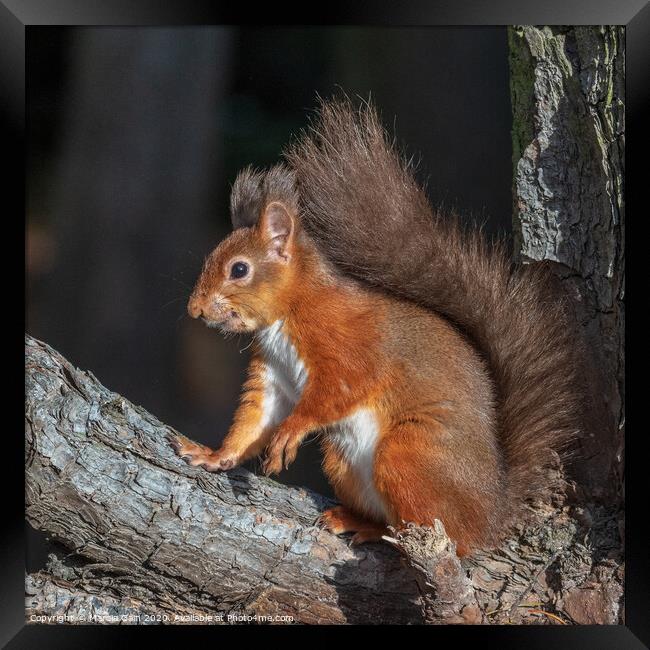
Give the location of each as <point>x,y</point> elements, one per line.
<point>439,378</point>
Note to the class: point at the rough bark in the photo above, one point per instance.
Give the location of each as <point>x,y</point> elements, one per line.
<point>567,88</point>
<point>154,540</point>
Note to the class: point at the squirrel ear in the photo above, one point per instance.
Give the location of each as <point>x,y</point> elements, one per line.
<point>277,226</point>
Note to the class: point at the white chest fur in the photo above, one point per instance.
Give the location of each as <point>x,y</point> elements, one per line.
<point>285,374</point>
<point>355,436</point>
<point>356,439</point>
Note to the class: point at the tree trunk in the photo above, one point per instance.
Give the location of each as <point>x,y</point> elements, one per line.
<point>152,539</point>
<point>567,88</point>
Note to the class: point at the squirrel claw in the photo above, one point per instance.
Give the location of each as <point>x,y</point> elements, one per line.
<point>207,467</point>
<point>320,522</point>
<point>267,470</point>
<point>271,465</point>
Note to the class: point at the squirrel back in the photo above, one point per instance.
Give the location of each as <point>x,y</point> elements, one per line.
<point>361,204</point>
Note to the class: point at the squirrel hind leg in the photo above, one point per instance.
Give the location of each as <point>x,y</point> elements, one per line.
<point>340,520</point>
<point>417,475</point>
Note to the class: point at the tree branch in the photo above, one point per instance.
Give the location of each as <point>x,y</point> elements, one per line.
<point>103,479</point>
<point>152,539</point>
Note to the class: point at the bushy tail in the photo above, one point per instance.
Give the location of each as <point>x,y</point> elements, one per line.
<point>361,203</point>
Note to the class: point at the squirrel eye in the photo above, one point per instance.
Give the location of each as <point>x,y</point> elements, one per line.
<point>239,270</point>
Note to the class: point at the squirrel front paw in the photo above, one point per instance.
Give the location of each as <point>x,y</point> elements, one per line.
<point>281,451</point>
<point>199,455</point>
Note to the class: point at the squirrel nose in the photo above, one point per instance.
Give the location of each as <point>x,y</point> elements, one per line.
<point>194,308</point>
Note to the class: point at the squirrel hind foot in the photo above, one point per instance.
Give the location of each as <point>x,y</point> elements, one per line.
<point>339,520</point>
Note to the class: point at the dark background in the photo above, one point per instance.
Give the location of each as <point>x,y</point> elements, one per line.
<point>134,137</point>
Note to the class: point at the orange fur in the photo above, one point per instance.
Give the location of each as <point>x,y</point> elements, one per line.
<point>338,328</point>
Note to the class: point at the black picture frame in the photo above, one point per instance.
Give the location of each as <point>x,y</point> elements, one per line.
<point>16,16</point>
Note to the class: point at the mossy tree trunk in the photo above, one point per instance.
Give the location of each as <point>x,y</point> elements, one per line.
<point>567,89</point>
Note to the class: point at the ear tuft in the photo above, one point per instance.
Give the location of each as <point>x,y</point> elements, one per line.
<point>246,198</point>
<point>254,189</point>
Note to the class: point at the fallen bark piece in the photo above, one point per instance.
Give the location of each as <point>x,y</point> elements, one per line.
<point>447,592</point>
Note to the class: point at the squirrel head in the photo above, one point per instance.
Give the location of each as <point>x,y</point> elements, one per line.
<point>246,280</point>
